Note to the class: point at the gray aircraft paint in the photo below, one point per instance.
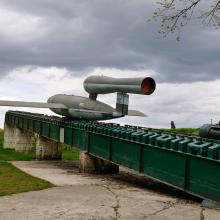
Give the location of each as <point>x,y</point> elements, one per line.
<point>104,85</point>
<point>79,107</point>
<point>82,108</point>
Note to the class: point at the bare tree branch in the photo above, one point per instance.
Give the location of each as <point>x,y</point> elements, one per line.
<point>175,14</point>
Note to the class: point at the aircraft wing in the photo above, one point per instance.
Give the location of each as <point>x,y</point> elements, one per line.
<point>32,104</point>
<point>136,113</point>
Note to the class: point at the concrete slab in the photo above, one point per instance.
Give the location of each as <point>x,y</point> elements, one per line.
<point>57,172</point>
<point>83,196</point>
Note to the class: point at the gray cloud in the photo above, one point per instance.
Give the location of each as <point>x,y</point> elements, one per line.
<point>188,104</point>
<point>86,34</point>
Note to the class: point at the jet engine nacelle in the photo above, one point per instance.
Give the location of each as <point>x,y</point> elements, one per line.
<point>102,85</point>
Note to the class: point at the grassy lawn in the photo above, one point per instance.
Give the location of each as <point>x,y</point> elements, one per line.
<point>189,131</point>
<point>70,154</point>
<point>11,154</point>
<point>13,180</point>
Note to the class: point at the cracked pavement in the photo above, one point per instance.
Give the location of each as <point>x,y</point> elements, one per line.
<point>100,197</point>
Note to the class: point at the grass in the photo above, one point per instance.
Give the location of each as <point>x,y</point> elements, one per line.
<point>11,154</point>
<point>13,180</point>
<point>189,131</point>
<point>70,154</point>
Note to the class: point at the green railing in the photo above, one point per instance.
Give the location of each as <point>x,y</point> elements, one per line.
<point>189,163</point>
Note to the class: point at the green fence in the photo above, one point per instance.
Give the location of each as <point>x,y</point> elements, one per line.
<point>189,163</point>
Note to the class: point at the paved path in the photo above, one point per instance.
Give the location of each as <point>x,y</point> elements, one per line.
<point>99,197</point>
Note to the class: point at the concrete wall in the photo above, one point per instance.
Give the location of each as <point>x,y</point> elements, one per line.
<point>9,136</point>
<point>24,141</point>
<point>47,149</point>
<point>90,164</point>
<point>18,139</point>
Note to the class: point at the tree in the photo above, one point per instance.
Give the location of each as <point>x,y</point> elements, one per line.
<point>175,14</point>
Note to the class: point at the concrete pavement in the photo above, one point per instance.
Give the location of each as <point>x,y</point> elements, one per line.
<point>86,197</point>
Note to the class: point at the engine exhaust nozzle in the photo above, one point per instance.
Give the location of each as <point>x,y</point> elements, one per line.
<point>104,85</point>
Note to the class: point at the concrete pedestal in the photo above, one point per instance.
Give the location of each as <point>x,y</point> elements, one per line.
<point>47,149</point>
<point>18,139</point>
<point>91,164</point>
<point>9,136</point>
<point>24,140</point>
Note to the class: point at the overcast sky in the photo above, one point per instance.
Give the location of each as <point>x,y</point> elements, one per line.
<point>50,46</point>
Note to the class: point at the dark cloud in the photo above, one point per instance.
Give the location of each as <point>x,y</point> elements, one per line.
<point>87,34</point>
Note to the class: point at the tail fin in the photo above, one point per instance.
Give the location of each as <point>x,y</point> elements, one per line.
<point>122,106</point>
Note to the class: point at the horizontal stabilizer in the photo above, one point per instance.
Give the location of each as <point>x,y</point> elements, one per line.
<point>136,113</point>
<point>32,104</point>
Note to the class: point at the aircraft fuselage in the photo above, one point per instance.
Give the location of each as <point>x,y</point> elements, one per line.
<point>79,107</point>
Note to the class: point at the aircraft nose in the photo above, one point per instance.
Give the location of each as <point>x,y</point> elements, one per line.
<point>50,100</point>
